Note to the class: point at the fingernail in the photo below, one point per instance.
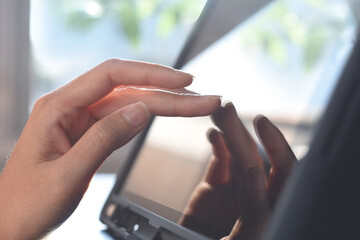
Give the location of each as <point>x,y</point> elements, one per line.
<point>136,114</point>
<point>184,73</point>
<point>213,97</point>
<point>189,77</point>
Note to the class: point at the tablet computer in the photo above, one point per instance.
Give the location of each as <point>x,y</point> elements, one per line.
<point>171,155</point>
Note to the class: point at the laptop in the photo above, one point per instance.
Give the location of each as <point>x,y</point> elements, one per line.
<point>171,154</point>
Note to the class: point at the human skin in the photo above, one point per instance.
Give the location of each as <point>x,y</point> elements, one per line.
<point>72,130</point>
<point>235,198</point>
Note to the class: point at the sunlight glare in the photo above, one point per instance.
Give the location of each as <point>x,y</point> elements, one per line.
<point>94,9</point>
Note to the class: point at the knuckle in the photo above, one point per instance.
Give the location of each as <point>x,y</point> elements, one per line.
<point>109,65</point>
<point>107,131</point>
<point>110,62</point>
<point>103,132</point>
<point>42,101</point>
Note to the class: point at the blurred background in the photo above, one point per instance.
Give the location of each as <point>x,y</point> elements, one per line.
<point>284,61</point>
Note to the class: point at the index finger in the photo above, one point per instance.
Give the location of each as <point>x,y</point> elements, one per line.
<point>95,84</point>
<point>238,140</point>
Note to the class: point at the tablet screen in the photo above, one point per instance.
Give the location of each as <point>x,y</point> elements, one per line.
<point>170,165</point>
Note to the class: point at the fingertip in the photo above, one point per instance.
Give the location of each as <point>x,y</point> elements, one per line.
<point>230,111</point>
<point>229,105</point>
<point>186,79</point>
<point>257,119</point>
<point>167,77</point>
<point>183,73</point>
<point>210,134</point>
<point>211,104</point>
<point>217,98</point>
<point>258,124</point>
<point>275,144</point>
<point>265,129</point>
<point>192,105</point>
<point>213,135</point>
<point>221,114</point>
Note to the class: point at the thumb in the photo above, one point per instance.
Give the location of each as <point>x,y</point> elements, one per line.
<point>107,135</point>
<point>218,169</point>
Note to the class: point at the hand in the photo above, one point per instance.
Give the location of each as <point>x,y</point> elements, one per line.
<point>234,188</point>
<point>73,129</point>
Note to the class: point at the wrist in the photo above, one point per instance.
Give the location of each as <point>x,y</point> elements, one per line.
<point>6,229</point>
<point>11,213</point>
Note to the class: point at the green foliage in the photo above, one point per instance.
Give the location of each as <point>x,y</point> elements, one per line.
<point>130,14</point>
<point>80,21</point>
<point>129,20</point>
<point>283,26</point>
<point>167,22</point>
<point>275,30</point>
<point>175,13</point>
<point>147,8</point>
